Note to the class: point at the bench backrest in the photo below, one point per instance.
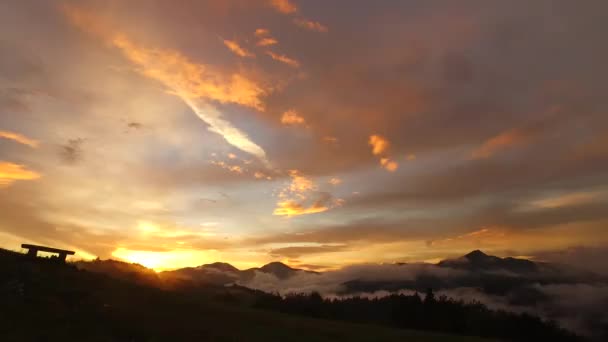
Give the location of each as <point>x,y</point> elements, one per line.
<point>47,249</point>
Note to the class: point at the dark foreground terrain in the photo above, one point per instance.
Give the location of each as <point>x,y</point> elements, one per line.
<point>43,300</point>
<point>46,301</point>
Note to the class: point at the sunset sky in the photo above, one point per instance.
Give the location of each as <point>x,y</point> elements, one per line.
<point>317,133</point>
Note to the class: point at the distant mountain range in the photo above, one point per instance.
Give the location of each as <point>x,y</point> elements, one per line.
<point>493,274</point>
<point>217,273</point>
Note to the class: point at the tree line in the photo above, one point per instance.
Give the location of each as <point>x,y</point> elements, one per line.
<point>438,314</point>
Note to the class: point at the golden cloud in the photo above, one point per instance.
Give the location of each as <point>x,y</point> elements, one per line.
<point>291,118</point>
<point>497,143</point>
<point>237,49</point>
<point>283,59</point>
<point>310,25</point>
<point>301,197</point>
<point>292,208</point>
<point>9,173</point>
<point>19,138</point>
<point>284,6</point>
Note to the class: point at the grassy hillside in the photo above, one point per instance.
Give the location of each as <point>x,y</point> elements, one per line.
<point>43,301</point>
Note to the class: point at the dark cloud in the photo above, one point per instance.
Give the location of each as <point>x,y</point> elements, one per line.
<point>584,257</point>
<point>295,252</point>
<point>72,151</point>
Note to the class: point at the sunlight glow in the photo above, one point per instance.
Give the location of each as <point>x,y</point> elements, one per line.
<point>161,261</point>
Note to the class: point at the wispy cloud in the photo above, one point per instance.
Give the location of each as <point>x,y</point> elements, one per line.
<point>19,138</point>
<point>292,118</point>
<point>264,38</point>
<point>284,6</point>
<point>10,173</point>
<point>237,49</point>
<point>566,200</point>
<point>261,32</point>
<point>267,41</point>
<point>232,168</point>
<point>310,24</point>
<point>194,83</point>
<point>335,181</point>
<point>500,142</point>
<point>283,59</point>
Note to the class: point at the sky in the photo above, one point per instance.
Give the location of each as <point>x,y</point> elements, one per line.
<point>316,133</point>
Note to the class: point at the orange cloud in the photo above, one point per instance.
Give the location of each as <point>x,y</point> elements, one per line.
<point>502,141</point>
<point>191,80</point>
<point>310,25</point>
<point>261,32</point>
<point>379,144</point>
<point>19,138</point>
<point>267,41</point>
<point>389,165</point>
<point>237,49</point>
<point>284,6</point>
<point>283,59</point>
<point>291,118</point>
<point>9,173</point>
<point>194,83</point>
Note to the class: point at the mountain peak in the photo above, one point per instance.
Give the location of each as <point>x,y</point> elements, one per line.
<point>476,254</point>
<point>478,260</point>
<point>276,265</point>
<point>222,266</point>
<point>279,269</point>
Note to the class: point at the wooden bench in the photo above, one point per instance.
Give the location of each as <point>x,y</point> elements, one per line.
<point>32,250</point>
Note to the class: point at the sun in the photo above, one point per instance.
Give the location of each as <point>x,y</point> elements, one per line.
<point>165,260</point>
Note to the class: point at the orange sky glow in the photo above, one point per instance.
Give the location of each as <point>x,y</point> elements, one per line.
<point>312,133</point>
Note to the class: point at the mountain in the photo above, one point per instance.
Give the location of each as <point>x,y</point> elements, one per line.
<point>214,274</point>
<point>479,261</point>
